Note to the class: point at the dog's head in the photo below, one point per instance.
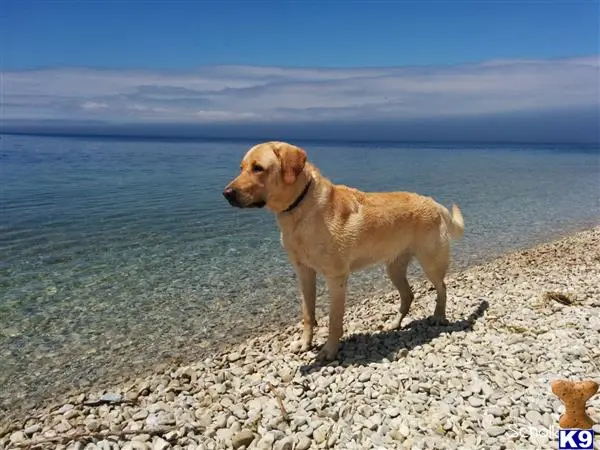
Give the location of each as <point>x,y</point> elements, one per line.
<point>268,176</point>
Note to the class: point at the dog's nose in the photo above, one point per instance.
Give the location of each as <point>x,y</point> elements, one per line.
<point>229,193</point>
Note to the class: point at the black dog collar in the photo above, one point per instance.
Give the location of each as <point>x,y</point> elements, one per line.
<point>300,197</point>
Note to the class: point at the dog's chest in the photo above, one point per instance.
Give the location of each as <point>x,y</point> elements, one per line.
<point>306,248</point>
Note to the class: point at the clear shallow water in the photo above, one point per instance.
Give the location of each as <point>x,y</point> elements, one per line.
<point>116,255</point>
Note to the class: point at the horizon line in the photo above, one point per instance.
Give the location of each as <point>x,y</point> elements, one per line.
<point>142,137</point>
<point>467,62</point>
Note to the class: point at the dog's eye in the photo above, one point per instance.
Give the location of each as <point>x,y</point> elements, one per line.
<point>257,168</point>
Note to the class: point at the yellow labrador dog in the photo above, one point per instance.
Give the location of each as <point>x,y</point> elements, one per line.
<point>335,230</point>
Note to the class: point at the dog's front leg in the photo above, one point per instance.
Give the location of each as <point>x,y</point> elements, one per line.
<point>337,293</point>
<point>307,279</point>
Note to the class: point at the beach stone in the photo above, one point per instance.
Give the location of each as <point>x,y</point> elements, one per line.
<point>135,445</point>
<point>374,421</point>
<point>392,412</point>
<point>17,437</point>
<point>75,446</point>
<point>235,356</point>
<point>64,408</point>
<point>239,412</point>
<point>142,437</point>
<point>160,444</point>
<point>71,414</point>
<point>495,431</point>
<point>495,411</point>
<point>286,443</point>
<point>140,415</point>
<point>116,428</point>
<point>256,404</point>
<point>320,434</point>
<point>32,429</point>
<point>166,418</point>
<point>92,425</point>
<point>303,442</point>
<point>266,441</point>
<point>131,396</point>
<point>172,435</point>
<point>534,417</point>
<point>286,375</point>
<point>220,421</point>
<point>403,429</point>
<point>299,420</point>
<point>135,426</point>
<point>49,433</point>
<point>243,438</point>
<point>224,435</point>
<point>62,427</point>
<point>364,376</point>
<point>475,402</point>
<point>111,397</point>
<point>107,445</point>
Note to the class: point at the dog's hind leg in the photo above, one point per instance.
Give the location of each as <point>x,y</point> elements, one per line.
<point>396,271</point>
<point>435,263</point>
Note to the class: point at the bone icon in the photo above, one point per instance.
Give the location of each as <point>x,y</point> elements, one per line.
<point>574,395</point>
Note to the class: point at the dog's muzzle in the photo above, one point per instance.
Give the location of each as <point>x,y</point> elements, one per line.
<point>232,197</point>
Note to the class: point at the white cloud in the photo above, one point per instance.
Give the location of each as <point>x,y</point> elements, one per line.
<point>245,93</point>
<point>94,105</point>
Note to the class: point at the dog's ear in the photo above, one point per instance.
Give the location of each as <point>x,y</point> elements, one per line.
<point>292,161</point>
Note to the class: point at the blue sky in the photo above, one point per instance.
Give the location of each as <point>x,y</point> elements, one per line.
<point>367,69</point>
<point>186,34</point>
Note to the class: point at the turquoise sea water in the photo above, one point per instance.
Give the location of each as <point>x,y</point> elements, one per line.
<point>118,254</point>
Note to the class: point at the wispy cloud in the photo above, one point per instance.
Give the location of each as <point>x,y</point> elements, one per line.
<point>90,105</point>
<point>245,94</point>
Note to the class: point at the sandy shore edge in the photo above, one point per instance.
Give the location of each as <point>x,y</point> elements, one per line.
<point>480,382</point>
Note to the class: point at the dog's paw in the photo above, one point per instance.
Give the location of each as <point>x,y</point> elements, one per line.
<point>394,325</point>
<point>329,351</point>
<point>438,321</point>
<point>299,346</point>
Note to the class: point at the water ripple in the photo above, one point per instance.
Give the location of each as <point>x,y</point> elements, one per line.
<point>116,255</point>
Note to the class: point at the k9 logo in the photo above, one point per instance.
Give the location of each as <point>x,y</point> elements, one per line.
<point>575,440</point>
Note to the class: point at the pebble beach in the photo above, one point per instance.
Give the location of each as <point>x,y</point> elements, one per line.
<point>480,382</point>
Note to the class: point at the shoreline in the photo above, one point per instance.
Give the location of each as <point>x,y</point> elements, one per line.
<point>89,369</point>
<point>367,354</point>
<point>371,282</point>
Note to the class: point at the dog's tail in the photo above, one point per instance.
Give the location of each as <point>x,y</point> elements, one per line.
<point>454,222</point>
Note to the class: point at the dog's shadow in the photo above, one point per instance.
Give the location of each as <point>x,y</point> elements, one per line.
<point>365,348</point>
